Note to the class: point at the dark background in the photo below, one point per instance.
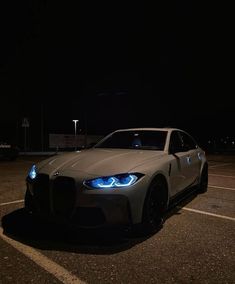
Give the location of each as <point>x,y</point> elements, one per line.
<point>114,65</point>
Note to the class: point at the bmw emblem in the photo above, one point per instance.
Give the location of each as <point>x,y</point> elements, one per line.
<point>56,173</point>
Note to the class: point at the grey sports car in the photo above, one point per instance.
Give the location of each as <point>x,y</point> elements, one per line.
<point>129,177</point>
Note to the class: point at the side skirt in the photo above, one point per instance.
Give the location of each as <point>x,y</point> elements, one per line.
<point>183,195</point>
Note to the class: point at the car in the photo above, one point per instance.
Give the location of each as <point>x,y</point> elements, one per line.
<point>8,151</point>
<point>130,177</point>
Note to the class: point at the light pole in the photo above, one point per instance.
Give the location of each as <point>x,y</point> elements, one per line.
<point>75,132</point>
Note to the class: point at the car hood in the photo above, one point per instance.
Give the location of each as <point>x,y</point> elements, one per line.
<point>101,162</point>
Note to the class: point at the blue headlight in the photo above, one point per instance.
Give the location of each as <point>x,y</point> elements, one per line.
<point>117,181</point>
<point>33,172</point>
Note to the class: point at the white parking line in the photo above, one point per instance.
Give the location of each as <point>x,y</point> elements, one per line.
<point>207,213</point>
<point>221,187</point>
<point>221,176</point>
<point>219,165</point>
<point>47,264</point>
<point>12,202</point>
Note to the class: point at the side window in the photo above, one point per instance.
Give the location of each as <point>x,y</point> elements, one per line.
<point>175,143</point>
<point>188,142</point>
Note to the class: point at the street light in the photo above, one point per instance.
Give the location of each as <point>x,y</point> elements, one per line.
<point>75,132</point>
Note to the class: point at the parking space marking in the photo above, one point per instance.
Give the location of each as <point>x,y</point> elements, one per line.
<point>221,187</point>
<point>220,165</point>
<point>217,175</point>
<point>207,213</point>
<point>41,260</point>
<point>12,202</point>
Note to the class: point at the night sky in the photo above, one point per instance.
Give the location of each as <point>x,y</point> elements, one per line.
<point>113,65</point>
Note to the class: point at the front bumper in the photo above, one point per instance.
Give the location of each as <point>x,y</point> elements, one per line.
<point>64,200</point>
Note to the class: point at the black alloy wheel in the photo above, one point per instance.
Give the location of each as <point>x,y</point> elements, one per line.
<point>203,180</point>
<point>155,206</point>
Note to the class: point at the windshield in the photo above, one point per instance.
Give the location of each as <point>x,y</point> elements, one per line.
<point>142,139</point>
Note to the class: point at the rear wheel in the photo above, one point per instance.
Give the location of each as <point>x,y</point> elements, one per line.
<point>155,206</point>
<point>202,187</point>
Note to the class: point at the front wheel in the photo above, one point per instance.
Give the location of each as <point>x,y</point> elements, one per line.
<point>155,206</point>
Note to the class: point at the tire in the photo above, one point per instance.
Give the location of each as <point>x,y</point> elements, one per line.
<point>155,206</point>
<point>202,187</point>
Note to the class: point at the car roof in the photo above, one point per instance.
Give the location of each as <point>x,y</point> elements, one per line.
<point>149,129</point>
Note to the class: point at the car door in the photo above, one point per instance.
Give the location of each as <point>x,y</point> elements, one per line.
<point>193,157</point>
<point>179,164</point>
